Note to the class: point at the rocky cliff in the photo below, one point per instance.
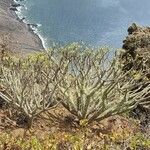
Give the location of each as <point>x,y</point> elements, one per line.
<point>136,55</point>
<point>137,49</point>
<point>20,35</point>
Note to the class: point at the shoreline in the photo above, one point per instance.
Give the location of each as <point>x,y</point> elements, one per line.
<point>33,28</point>
<point>21,36</point>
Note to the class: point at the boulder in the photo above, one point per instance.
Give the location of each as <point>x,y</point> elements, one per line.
<point>13,9</point>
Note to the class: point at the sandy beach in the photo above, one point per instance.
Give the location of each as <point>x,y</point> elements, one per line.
<point>20,36</point>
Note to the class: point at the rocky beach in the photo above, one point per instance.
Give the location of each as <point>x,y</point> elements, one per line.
<point>21,36</point>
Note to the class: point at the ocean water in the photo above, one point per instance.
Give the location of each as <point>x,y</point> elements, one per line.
<point>95,22</point>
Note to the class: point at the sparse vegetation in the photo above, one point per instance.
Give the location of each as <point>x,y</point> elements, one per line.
<point>86,83</point>
<point>27,88</point>
<point>94,87</point>
<point>75,142</point>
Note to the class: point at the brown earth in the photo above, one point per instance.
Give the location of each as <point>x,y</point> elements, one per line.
<point>20,38</point>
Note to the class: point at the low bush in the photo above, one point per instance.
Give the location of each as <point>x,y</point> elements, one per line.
<point>93,86</point>
<point>86,81</point>
<point>75,142</point>
<point>26,87</point>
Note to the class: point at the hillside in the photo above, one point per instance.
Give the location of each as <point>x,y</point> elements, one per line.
<point>72,97</point>
<point>20,35</point>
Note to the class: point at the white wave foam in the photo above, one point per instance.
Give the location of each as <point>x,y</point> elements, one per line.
<point>44,40</point>
<point>15,1</point>
<point>35,29</point>
<point>39,25</point>
<point>19,12</point>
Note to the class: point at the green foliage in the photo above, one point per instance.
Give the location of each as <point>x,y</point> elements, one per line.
<point>52,142</point>
<point>92,86</point>
<point>86,81</point>
<point>28,88</point>
<point>140,141</point>
<point>136,56</point>
<point>75,142</point>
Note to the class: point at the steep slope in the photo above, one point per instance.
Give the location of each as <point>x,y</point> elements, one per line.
<point>21,37</point>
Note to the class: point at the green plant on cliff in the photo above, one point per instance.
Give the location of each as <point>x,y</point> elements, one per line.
<point>136,56</point>
<point>93,87</point>
<point>84,80</point>
<point>26,87</point>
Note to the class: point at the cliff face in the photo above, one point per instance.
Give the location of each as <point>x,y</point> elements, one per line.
<point>138,38</point>
<point>137,49</point>
<point>136,55</point>
<point>20,38</point>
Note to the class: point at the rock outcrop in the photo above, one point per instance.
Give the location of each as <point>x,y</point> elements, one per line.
<point>137,49</point>
<point>136,55</point>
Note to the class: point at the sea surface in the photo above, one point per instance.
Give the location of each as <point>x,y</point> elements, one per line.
<point>95,22</point>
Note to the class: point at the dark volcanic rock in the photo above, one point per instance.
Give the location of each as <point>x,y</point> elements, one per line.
<point>15,5</point>
<point>138,38</point>
<point>132,28</point>
<point>32,25</point>
<point>13,9</point>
